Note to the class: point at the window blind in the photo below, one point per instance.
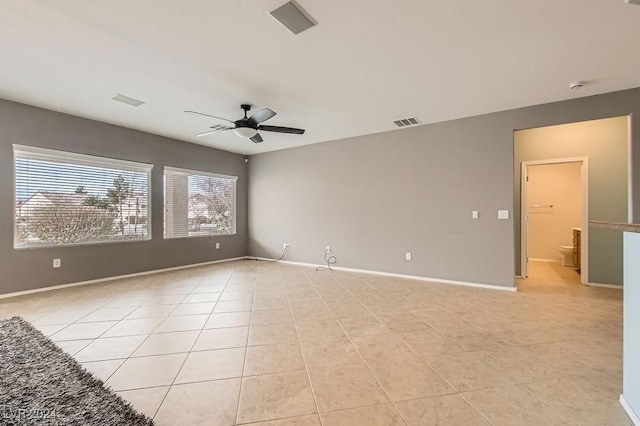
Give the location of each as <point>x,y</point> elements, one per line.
<point>64,198</point>
<point>198,203</point>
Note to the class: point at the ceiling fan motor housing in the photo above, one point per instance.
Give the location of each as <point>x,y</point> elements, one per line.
<point>248,127</point>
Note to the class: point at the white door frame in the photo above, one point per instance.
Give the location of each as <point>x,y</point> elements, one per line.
<point>524,217</point>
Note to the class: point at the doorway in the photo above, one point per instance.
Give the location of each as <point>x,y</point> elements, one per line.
<point>606,144</point>
<point>554,219</point>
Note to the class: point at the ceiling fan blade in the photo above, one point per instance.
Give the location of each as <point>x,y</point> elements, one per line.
<point>199,135</point>
<point>208,115</point>
<point>214,129</point>
<point>262,115</point>
<point>257,138</point>
<point>281,129</point>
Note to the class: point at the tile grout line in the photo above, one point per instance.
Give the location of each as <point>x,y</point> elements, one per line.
<point>188,353</point>
<point>374,376</point>
<point>246,350</point>
<point>457,392</point>
<point>361,293</point>
<point>70,324</point>
<point>360,355</point>
<point>460,394</point>
<point>148,356</point>
<point>304,360</point>
<point>129,357</point>
<point>396,334</point>
<point>393,403</point>
<point>152,333</point>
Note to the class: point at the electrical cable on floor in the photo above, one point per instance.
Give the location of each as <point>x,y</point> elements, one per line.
<point>330,261</point>
<point>285,252</point>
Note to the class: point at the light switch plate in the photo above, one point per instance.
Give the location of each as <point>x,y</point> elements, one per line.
<point>407,255</point>
<point>503,214</point>
<point>474,214</point>
<point>217,246</point>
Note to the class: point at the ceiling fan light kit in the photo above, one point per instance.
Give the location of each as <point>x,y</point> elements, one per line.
<point>245,132</point>
<point>247,127</point>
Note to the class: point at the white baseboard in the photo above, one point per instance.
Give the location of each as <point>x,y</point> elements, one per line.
<point>265,259</point>
<point>389,274</point>
<point>632,415</point>
<point>544,260</point>
<point>195,265</point>
<point>617,287</point>
<point>117,277</point>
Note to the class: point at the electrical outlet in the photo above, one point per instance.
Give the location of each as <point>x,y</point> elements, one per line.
<point>474,214</point>
<point>285,246</point>
<point>503,214</point>
<point>329,249</point>
<point>217,246</point>
<point>57,263</point>
<point>407,255</point>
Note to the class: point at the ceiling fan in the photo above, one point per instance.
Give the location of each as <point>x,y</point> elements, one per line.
<point>248,127</point>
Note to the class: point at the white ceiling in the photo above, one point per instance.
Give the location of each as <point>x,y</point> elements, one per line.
<point>366,63</point>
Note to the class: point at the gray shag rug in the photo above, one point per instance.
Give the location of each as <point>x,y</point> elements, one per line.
<point>42,385</point>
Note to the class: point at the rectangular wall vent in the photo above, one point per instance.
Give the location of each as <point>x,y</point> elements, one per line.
<point>292,17</point>
<point>411,121</point>
<point>127,100</point>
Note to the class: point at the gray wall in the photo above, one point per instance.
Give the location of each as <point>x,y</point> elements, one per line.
<point>374,197</point>
<point>605,142</point>
<point>631,349</point>
<point>32,268</point>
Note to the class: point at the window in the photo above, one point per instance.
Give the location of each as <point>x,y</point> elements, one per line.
<point>198,203</point>
<point>64,198</point>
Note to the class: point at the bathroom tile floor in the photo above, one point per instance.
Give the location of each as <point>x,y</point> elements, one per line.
<point>261,343</point>
<point>551,273</point>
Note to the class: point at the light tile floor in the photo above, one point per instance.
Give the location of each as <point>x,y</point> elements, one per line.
<point>261,343</point>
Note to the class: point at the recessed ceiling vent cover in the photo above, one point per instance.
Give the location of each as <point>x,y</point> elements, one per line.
<point>127,100</point>
<point>292,17</point>
<point>411,121</point>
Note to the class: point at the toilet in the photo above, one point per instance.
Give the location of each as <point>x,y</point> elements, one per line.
<point>567,255</point>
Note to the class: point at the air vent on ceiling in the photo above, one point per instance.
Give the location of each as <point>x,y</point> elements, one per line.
<point>292,17</point>
<point>411,121</point>
<point>127,100</point>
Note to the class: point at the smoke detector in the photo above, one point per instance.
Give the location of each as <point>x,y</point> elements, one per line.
<point>576,85</point>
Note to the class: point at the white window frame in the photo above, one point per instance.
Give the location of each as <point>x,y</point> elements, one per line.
<point>191,172</point>
<point>73,158</point>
